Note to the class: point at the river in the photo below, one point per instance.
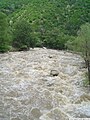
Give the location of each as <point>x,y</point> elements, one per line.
<point>30,89</point>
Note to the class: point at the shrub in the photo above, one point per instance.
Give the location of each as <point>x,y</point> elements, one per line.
<point>22,36</point>
<point>82,45</point>
<point>4,33</point>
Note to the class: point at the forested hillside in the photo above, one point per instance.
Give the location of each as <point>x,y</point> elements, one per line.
<point>52,22</point>
<point>69,14</point>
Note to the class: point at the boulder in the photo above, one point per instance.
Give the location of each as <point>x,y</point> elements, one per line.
<point>54,73</point>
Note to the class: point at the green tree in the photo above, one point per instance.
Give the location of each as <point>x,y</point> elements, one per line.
<point>22,36</point>
<point>82,45</point>
<point>4,33</point>
<point>77,14</point>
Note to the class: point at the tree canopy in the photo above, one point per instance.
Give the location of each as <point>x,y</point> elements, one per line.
<point>4,33</point>
<point>53,22</point>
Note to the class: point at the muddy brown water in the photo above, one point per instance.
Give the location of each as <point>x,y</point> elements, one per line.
<point>29,92</point>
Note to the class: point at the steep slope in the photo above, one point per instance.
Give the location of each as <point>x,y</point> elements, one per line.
<point>67,14</point>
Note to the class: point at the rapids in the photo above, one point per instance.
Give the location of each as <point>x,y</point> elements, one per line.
<point>29,92</point>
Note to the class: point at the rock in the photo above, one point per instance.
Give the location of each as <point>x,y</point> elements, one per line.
<point>54,73</point>
<point>50,56</point>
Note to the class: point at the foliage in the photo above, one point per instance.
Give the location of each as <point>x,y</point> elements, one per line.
<point>4,33</point>
<point>9,6</point>
<point>43,17</point>
<point>83,40</point>
<point>78,14</point>
<point>22,37</point>
<point>56,40</point>
<point>82,44</point>
<point>53,22</point>
<point>70,43</point>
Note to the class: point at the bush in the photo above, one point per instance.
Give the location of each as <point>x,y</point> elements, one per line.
<point>22,36</point>
<point>82,44</point>
<point>4,48</point>
<point>70,43</point>
<point>4,33</point>
<point>56,41</point>
<point>23,48</point>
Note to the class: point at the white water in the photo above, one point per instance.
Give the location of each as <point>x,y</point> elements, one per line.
<point>29,92</point>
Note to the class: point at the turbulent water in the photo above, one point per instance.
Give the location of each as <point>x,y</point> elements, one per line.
<point>42,84</point>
